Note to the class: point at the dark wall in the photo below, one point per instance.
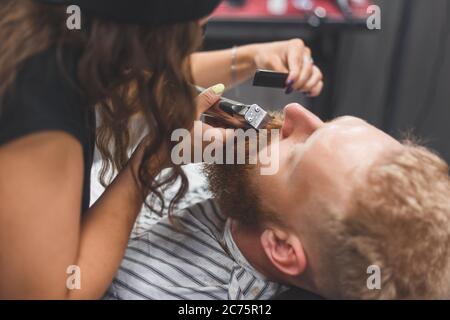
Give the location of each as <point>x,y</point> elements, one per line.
<point>397,78</point>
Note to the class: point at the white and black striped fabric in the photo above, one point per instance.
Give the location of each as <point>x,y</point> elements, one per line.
<point>192,257</point>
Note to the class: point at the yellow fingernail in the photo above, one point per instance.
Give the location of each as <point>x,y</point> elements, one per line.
<point>218,88</point>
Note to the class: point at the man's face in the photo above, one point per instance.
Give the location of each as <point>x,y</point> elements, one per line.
<point>318,162</point>
<point>320,165</point>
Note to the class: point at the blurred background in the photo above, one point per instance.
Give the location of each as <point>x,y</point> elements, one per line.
<point>397,78</point>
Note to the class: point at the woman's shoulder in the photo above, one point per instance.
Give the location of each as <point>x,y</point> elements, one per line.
<point>45,96</point>
<point>47,80</point>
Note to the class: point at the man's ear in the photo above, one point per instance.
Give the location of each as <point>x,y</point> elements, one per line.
<point>284,251</point>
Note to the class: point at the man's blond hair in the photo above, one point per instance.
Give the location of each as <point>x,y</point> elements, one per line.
<point>399,222</point>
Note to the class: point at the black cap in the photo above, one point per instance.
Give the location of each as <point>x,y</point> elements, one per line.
<point>150,12</point>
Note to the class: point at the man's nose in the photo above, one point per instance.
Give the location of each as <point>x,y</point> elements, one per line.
<point>299,121</point>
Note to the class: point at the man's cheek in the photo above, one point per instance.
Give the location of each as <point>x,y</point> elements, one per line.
<point>269,157</point>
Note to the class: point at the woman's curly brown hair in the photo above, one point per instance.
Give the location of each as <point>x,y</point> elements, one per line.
<point>125,70</point>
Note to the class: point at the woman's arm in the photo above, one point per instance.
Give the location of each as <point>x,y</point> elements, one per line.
<point>41,233</point>
<point>291,56</point>
<point>213,67</point>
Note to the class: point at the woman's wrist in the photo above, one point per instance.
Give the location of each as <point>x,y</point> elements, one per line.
<point>248,53</point>
<point>245,62</point>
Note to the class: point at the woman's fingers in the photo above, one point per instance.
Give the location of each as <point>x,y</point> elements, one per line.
<point>314,80</point>
<point>295,53</point>
<point>317,89</point>
<point>208,98</point>
<point>300,79</point>
<point>306,71</point>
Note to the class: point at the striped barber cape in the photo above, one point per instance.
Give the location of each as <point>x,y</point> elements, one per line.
<point>192,257</point>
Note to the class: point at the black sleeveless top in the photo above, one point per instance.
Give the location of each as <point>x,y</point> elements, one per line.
<point>45,97</point>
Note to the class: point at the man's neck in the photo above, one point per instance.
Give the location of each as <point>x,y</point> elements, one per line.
<point>249,244</point>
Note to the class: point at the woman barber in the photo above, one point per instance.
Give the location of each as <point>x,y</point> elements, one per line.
<point>130,58</point>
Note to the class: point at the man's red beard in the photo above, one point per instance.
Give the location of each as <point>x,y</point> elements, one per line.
<point>233,186</point>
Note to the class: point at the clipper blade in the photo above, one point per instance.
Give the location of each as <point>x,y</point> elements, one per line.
<point>255,116</point>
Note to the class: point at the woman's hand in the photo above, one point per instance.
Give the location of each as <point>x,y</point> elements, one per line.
<point>234,66</point>
<point>291,56</point>
<point>165,157</point>
<point>208,98</point>
<point>205,101</point>
<point>193,142</point>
